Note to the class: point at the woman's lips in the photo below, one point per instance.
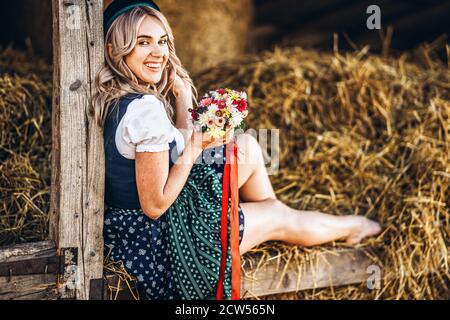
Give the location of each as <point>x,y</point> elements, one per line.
<point>154,67</point>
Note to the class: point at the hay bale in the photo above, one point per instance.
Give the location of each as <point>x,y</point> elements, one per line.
<point>208,32</point>
<point>359,135</point>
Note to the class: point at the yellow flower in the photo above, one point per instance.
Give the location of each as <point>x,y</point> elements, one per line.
<point>233,96</point>
<point>225,113</point>
<point>216,132</point>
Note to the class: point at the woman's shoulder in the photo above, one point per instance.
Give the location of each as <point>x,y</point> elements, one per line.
<point>131,103</point>
<point>146,106</point>
<point>145,125</point>
<point>139,98</point>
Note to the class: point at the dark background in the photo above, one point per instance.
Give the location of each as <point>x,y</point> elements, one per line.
<point>309,23</point>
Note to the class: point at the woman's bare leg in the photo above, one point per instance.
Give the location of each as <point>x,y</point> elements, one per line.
<point>254,182</point>
<point>273,220</point>
<point>267,218</point>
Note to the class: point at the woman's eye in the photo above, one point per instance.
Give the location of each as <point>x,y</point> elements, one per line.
<point>164,41</point>
<point>144,43</point>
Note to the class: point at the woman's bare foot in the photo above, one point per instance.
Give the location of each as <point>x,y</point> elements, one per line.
<point>363,228</point>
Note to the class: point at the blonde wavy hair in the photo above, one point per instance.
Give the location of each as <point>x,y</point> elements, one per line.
<point>115,79</point>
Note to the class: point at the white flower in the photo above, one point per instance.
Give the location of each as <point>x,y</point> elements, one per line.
<point>215,95</point>
<point>237,119</point>
<point>141,252</point>
<point>131,230</point>
<point>203,119</point>
<point>140,278</point>
<point>129,264</point>
<point>232,109</point>
<point>229,103</point>
<point>213,108</point>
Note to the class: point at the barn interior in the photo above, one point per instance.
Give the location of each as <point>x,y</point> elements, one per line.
<point>364,113</point>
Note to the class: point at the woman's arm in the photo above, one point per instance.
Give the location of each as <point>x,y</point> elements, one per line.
<point>183,103</point>
<point>158,187</point>
<point>183,95</point>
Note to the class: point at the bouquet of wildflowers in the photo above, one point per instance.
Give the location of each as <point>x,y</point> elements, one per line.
<point>219,109</point>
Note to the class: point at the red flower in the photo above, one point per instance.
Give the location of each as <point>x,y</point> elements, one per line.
<point>242,105</point>
<point>221,91</point>
<point>222,104</point>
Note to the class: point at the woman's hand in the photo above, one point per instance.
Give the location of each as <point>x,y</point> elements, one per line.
<point>204,140</point>
<point>180,87</point>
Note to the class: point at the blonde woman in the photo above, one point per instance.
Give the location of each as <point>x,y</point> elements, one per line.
<point>153,176</point>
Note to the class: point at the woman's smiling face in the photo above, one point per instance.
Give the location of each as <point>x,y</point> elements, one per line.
<point>151,53</point>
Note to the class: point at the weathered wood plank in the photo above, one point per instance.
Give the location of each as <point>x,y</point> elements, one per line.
<point>76,212</point>
<point>41,286</point>
<point>27,251</point>
<point>36,286</point>
<point>325,269</point>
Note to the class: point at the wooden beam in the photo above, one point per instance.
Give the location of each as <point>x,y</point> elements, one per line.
<point>76,210</point>
<point>324,269</point>
<point>27,251</point>
<point>28,286</point>
<point>29,259</point>
<point>42,287</point>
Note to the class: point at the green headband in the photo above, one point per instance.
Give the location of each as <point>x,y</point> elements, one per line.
<point>109,17</point>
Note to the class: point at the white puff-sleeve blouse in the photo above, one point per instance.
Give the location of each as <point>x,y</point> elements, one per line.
<point>145,127</point>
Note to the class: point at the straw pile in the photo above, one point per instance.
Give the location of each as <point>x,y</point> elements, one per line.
<point>208,31</point>
<point>25,143</point>
<point>360,134</point>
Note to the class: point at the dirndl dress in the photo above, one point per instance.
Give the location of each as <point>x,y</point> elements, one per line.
<point>178,255</point>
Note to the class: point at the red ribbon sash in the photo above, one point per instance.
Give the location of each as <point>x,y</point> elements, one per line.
<point>230,179</point>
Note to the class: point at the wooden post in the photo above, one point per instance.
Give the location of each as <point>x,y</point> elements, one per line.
<point>76,213</point>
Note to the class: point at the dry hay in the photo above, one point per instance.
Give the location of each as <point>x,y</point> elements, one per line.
<point>25,143</point>
<point>208,31</point>
<point>118,280</point>
<point>360,134</point>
